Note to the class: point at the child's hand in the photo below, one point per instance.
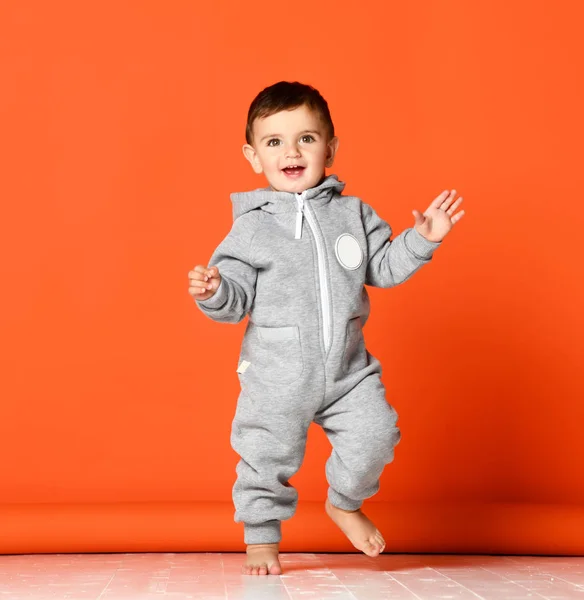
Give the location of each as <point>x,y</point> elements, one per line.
<point>437,220</point>
<point>204,282</point>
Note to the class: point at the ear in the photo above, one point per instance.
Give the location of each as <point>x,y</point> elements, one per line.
<point>331,151</point>
<point>251,155</point>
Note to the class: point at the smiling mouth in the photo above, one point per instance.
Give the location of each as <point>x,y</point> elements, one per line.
<point>293,170</point>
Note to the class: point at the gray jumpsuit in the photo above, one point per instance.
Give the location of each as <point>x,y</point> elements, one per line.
<point>298,264</point>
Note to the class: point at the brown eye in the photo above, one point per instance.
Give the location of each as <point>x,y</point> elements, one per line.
<point>272,140</point>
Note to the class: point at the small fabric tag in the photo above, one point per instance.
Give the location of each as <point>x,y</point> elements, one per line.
<point>243,366</point>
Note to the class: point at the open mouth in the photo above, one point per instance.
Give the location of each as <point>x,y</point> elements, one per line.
<point>294,171</point>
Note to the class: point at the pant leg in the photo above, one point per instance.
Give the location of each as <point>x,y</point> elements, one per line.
<point>361,427</point>
<point>271,445</point>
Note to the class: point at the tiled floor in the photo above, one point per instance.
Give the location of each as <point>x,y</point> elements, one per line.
<point>315,576</point>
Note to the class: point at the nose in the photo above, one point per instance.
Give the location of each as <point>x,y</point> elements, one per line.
<point>292,151</point>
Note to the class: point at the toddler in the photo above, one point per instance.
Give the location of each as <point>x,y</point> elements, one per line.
<point>297,259</point>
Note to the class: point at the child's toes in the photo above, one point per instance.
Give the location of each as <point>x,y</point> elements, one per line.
<point>263,570</point>
<point>370,549</point>
<point>377,545</point>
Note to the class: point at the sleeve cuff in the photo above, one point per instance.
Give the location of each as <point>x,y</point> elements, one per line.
<point>218,298</point>
<point>417,244</point>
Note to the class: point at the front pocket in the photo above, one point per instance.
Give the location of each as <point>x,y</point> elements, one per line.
<point>274,354</point>
<point>354,354</point>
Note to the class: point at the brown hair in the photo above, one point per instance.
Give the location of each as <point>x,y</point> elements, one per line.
<point>287,95</point>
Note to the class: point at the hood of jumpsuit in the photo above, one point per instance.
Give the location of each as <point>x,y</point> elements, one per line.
<point>274,202</point>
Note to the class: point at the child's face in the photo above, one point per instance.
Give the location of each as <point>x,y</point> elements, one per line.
<point>291,137</point>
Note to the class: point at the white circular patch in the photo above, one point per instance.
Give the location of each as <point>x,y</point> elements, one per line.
<point>348,251</point>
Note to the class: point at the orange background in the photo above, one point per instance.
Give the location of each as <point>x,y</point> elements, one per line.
<point>122,126</point>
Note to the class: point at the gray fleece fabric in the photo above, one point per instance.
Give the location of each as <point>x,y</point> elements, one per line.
<point>298,264</point>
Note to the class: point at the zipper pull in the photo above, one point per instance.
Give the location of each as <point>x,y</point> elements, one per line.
<point>299,217</point>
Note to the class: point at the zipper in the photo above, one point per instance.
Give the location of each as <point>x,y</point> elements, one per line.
<point>304,210</point>
<point>299,216</point>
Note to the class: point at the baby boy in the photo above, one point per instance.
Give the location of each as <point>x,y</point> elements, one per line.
<point>297,259</point>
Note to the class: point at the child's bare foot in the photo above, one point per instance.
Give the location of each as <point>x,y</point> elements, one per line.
<point>262,559</point>
<point>361,532</point>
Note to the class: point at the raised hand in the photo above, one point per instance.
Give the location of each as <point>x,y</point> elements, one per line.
<point>439,218</point>
<point>204,282</point>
